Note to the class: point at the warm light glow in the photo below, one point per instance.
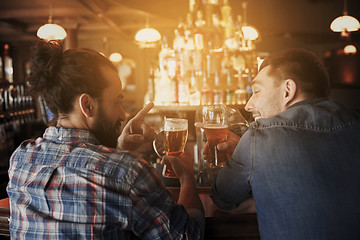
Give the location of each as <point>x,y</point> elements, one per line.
<point>345,24</point>
<point>350,49</point>
<point>147,36</point>
<point>51,31</point>
<point>115,57</point>
<point>250,33</point>
<point>259,61</point>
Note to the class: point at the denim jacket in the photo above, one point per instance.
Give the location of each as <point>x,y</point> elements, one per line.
<point>302,167</point>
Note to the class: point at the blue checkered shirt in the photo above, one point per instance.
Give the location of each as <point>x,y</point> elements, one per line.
<point>67,186</point>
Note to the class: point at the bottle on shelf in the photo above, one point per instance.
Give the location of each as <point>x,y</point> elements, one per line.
<point>225,13</point>
<point>209,61</point>
<point>207,95</point>
<point>8,64</point>
<point>219,91</point>
<point>239,35</point>
<point>194,98</point>
<point>199,37</point>
<point>150,93</point>
<point>162,88</point>
<point>241,96</point>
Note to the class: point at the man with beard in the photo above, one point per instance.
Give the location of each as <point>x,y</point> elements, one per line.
<point>83,179</point>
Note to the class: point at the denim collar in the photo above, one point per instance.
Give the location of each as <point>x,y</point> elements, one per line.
<point>309,101</point>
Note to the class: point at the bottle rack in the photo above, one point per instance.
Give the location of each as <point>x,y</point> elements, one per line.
<point>210,61</point>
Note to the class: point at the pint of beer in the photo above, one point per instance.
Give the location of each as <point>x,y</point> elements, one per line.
<point>216,134</point>
<point>175,136</point>
<point>215,127</point>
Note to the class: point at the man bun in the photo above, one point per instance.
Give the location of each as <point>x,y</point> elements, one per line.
<point>46,62</point>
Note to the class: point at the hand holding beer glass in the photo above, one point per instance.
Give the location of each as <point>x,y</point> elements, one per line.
<point>215,125</point>
<point>175,137</point>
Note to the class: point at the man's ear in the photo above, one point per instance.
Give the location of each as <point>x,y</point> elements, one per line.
<point>290,91</point>
<point>87,105</point>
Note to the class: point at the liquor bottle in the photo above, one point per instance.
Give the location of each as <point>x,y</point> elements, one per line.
<point>211,7</point>
<point>195,95</point>
<point>225,13</point>
<point>189,33</point>
<point>216,32</point>
<point>248,88</point>
<point>239,35</point>
<point>189,45</point>
<point>229,32</point>
<point>164,53</point>
<point>219,91</point>
<point>199,30</point>
<point>184,91</point>
<point>2,101</point>
<point>227,73</point>
<point>8,64</point>
<point>179,40</point>
<point>230,90</point>
<point>207,94</point>
<point>241,95</point>
<point>192,4</point>
<point>1,68</point>
<point>162,88</point>
<point>149,95</point>
<point>195,6</point>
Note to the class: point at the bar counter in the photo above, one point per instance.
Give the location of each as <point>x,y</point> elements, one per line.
<point>222,225</point>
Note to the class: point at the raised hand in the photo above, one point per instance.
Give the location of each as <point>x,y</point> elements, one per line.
<point>182,165</point>
<point>136,132</point>
<point>229,145</point>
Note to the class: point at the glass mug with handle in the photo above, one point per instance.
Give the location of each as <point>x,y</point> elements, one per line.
<point>215,125</point>
<point>171,141</point>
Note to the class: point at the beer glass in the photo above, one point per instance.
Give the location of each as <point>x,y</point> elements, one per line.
<point>175,136</point>
<point>215,125</point>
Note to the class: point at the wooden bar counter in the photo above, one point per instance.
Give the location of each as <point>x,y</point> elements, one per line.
<point>222,225</point>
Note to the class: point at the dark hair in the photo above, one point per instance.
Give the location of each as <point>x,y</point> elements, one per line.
<point>301,65</point>
<point>59,76</point>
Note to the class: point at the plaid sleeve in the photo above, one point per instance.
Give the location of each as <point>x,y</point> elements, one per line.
<point>155,214</point>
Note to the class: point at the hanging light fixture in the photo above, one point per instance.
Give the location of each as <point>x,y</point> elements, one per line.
<point>115,57</point>
<point>51,31</point>
<point>147,37</point>
<point>250,33</point>
<point>350,49</point>
<point>345,24</point>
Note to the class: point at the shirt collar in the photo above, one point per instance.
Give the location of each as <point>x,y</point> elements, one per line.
<point>309,101</point>
<point>70,135</point>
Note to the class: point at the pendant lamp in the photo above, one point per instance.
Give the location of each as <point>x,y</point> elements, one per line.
<point>345,24</point>
<point>51,31</point>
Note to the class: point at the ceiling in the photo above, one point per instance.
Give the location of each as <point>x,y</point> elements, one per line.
<point>282,23</point>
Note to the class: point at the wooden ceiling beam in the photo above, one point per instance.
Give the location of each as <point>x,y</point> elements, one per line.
<point>23,13</point>
<point>98,8</point>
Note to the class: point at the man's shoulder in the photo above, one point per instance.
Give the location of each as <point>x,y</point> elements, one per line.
<point>325,115</point>
<point>79,156</point>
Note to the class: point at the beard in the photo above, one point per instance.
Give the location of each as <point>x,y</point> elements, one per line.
<point>104,132</point>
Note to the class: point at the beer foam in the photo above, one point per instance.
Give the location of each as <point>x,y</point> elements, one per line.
<point>175,124</point>
<point>215,126</point>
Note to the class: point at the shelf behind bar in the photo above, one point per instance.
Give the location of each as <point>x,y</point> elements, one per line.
<point>186,107</point>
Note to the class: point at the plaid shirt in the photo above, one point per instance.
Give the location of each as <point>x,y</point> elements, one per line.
<point>67,186</point>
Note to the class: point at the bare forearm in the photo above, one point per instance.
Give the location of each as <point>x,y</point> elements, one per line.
<point>189,196</point>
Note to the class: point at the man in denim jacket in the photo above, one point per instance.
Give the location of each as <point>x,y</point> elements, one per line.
<point>300,159</point>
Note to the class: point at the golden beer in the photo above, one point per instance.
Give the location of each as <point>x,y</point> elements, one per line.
<point>175,136</point>
<point>215,134</point>
<point>174,142</point>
